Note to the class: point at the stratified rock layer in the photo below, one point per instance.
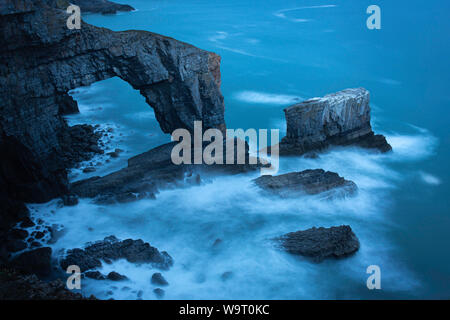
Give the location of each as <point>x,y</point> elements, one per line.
<point>341,118</point>
<point>321,243</point>
<point>307,182</point>
<point>41,60</point>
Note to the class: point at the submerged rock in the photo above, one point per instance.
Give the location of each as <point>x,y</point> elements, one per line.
<point>341,118</point>
<point>94,275</point>
<point>158,279</point>
<point>159,293</point>
<point>115,276</point>
<point>321,243</point>
<point>136,251</point>
<point>307,182</point>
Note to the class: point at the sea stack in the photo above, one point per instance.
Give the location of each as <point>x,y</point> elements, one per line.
<point>341,118</point>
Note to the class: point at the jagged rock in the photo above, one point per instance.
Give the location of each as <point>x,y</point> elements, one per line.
<point>158,279</point>
<point>114,276</point>
<point>341,118</point>
<point>94,275</point>
<point>159,293</point>
<point>27,223</point>
<point>35,261</point>
<point>307,182</point>
<point>321,243</point>
<point>147,173</point>
<point>136,251</point>
<point>42,60</point>
<point>17,286</point>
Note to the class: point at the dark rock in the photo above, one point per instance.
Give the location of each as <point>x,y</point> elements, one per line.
<point>27,223</point>
<point>341,118</point>
<point>36,261</point>
<point>321,243</point>
<point>307,182</point>
<point>88,170</point>
<point>149,172</point>
<point>226,275</point>
<point>16,245</point>
<point>113,154</point>
<point>136,251</point>
<point>159,293</point>
<point>38,234</point>
<point>159,280</point>
<point>18,234</point>
<point>70,200</point>
<point>17,286</point>
<point>94,275</point>
<point>35,244</point>
<point>114,276</point>
<point>217,243</point>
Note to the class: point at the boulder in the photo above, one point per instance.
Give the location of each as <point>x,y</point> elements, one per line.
<point>159,280</point>
<point>115,276</point>
<point>309,182</point>
<point>341,118</point>
<point>321,243</point>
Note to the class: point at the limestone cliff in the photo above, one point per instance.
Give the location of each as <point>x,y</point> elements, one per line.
<point>41,60</point>
<point>341,118</point>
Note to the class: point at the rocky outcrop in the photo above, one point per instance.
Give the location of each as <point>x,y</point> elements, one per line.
<point>307,182</point>
<point>110,249</point>
<point>321,243</point>
<point>41,60</point>
<point>37,261</point>
<point>17,286</point>
<point>150,172</point>
<point>101,6</point>
<point>341,118</point>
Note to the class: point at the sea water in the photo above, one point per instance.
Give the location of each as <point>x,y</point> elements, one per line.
<point>275,53</point>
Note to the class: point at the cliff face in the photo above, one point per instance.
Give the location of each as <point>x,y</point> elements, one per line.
<point>341,118</point>
<point>41,60</point>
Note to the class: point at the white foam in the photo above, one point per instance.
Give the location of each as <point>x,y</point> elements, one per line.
<point>256,97</point>
<point>430,179</point>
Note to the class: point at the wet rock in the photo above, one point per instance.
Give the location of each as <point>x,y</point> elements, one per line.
<point>35,244</point>
<point>89,170</point>
<point>217,243</point>
<point>38,234</point>
<point>321,243</point>
<point>17,234</point>
<point>94,275</point>
<point>27,223</point>
<point>17,286</point>
<point>341,118</point>
<point>307,182</point>
<point>35,261</point>
<point>16,245</point>
<point>226,275</point>
<point>159,293</point>
<point>159,280</point>
<point>135,251</point>
<point>70,200</point>
<point>114,276</point>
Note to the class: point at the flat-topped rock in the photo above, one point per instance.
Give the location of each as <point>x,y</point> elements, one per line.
<point>321,243</point>
<point>109,249</point>
<point>101,6</point>
<point>307,182</point>
<point>341,118</point>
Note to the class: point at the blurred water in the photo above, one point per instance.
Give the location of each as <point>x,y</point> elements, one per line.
<point>273,54</point>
